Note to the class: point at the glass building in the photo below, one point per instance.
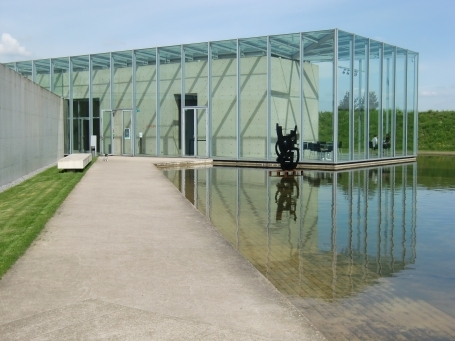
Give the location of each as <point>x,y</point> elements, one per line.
<point>223,99</point>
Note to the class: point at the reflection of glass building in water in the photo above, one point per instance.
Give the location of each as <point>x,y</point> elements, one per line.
<point>222,99</point>
<point>322,239</point>
<point>325,235</point>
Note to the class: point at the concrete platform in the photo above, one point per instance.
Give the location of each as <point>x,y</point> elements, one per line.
<point>74,161</point>
<point>127,257</point>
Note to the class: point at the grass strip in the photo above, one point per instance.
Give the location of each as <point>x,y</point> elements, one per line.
<point>27,207</point>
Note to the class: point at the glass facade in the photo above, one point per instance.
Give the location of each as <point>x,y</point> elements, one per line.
<point>351,98</point>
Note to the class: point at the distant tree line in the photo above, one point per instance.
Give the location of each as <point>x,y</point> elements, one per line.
<point>359,102</point>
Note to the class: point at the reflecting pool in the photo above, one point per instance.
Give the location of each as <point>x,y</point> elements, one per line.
<point>363,254</point>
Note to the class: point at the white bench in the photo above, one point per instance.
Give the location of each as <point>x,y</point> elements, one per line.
<point>74,161</point>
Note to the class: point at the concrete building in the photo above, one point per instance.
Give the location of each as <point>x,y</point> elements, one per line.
<point>223,99</point>
<point>31,127</point>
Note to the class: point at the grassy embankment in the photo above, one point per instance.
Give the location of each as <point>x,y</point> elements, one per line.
<point>436,129</point>
<point>26,208</point>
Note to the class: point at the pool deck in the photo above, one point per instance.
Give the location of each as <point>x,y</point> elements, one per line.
<point>127,257</point>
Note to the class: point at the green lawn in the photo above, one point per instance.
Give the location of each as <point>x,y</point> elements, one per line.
<point>26,208</point>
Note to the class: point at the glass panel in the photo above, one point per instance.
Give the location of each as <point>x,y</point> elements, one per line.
<point>122,83</point>
<point>400,98</point>
<point>344,76</point>
<point>117,132</point>
<point>318,56</point>
<point>224,98</point>
<point>373,102</point>
<point>388,99</point>
<point>80,79</point>
<point>12,66</point>
<point>43,73</point>
<point>253,98</point>
<point>61,88</point>
<point>127,131</point>
<point>102,94</point>
<point>360,96</point>
<point>146,101</point>
<point>201,132</point>
<point>25,69</point>
<point>170,92</point>
<point>106,133</point>
<point>411,96</point>
<point>285,68</point>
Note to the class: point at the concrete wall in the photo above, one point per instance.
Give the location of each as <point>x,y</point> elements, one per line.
<point>285,103</point>
<point>31,127</point>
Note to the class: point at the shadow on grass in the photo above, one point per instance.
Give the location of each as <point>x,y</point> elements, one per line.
<point>27,207</point>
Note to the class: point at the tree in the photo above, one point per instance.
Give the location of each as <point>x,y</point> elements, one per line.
<point>359,102</point>
<point>344,103</point>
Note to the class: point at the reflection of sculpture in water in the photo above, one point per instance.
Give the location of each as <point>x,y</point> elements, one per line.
<point>286,194</point>
<point>288,153</point>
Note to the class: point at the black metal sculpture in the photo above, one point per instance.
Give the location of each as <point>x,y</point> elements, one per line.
<point>288,153</point>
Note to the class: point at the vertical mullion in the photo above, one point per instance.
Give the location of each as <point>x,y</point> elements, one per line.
<point>182,101</point>
<point>70,64</point>
<point>51,75</point>
<point>367,100</point>
<point>90,98</point>
<point>133,97</point>
<point>394,109</point>
<point>416,102</point>
<point>157,104</point>
<point>269,97</point>
<point>208,113</point>
<point>335,94</point>
<point>301,96</point>
<point>33,71</point>
<point>238,100</point>
<point>405,113</point>
<point>381,101</point>
<point>351,100</point>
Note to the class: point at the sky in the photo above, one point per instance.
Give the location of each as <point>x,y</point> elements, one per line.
<point>32,29</point>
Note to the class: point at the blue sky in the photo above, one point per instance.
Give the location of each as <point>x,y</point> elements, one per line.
<point>50,28</point>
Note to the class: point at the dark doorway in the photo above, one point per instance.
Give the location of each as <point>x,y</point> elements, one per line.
<point>190,101</point>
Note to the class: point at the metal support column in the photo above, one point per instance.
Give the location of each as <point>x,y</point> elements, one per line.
<point>182,101</point>
<point>394,110</point>
<point>90,99</point>
<point>70,65</point>
<point>301,96</point>
<point>381,101</point>
<point>51,76</point>
<point>157,104</point>
<point>238,101</point>
<point>367,101</point>
<point>269,97</point>
<point>351,101</point>
<point>335,94</point>
<point>133,104</point>
<point>405,111</point>
<point>208,144</point>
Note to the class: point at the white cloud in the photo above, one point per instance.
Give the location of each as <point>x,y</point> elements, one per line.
<point>10,46</point>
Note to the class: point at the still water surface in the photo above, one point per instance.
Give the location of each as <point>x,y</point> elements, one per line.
<point>364,254</point>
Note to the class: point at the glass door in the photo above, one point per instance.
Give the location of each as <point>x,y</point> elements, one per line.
<point>195,131</point>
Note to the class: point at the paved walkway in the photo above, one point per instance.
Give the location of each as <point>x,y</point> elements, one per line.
<point>127,257</point>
